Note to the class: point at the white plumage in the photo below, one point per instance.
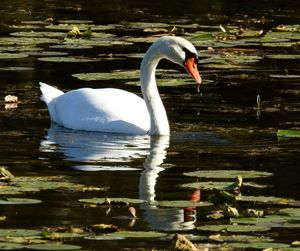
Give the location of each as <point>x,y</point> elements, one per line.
<point>119,111</point>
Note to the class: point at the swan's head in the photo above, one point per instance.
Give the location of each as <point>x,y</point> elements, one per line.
<point>182,52</point>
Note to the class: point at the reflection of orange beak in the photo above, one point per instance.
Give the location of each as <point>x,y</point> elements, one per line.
<point>191,66</point>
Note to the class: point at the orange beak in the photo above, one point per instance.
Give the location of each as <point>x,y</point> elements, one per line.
<point>191,66</point>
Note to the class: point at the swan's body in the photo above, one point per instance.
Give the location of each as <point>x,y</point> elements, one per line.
<point>118,111</point>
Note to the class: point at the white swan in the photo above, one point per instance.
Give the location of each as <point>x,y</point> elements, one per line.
<point>118,111</point>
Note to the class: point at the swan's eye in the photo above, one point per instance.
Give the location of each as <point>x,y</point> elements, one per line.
<point>189,54</point>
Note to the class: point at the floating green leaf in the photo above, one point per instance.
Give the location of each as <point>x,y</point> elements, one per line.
<point>233,228</point>
<point>47,53</point>
<point>99,201</point>
<point>75,21</point>
<point>38,183</point>
<point>239,238</point>
<point>180,203</point>
<point>284,76</point>
<point>264,199</point>
<point>130,74</point>
<point>16,68</point>
<point>71,47</point>
<point>292,212</point>
<point>173,82</point>
<point>138,234</point>
<point>283,56</point>
<point>19,232</point>
<point>278,37</point>
<point>141,25</point>
<point>279,44</point>
<point>228,174</point>
<point>149,40</point>
<point>288,28</point>
<point>226,66</point>
<point>279,221</point>
<point>53,246</point>
<point>80,26</point>
<point>209,185</point>
<point>260,245</point>
<point>288,133</point>
<point>12,55</point>
<point>27,41</point>
<point>63,235</point>
<point>18,201</point>
<point>45,34</point>
<point>20,49</point>
<point>11,246</point>
<point>104,237</point>
<point>133,74</point>
<point>67,59</point>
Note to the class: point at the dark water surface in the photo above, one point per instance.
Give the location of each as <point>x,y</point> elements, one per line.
<point>219,129</point>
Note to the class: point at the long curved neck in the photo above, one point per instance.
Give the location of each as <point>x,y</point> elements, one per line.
<point>158,117</point>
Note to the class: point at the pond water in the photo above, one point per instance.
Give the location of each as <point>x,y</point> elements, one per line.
<point>185,183</point>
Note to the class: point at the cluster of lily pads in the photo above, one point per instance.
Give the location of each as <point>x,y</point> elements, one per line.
<point>232,226</point>
<point>83,34</point>
<point>239,221</point>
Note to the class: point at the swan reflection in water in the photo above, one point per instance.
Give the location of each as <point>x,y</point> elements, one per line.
<point>95,151</point>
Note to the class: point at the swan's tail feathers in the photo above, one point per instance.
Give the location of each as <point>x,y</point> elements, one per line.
<point>49,92</point>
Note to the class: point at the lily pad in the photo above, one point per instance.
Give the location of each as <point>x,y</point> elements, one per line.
<point>283,56</point>
<point>226,66</point>
<point>279,44</point>
<point>284,76</point>
<point>279,221</point>
<point>228,174</point>
<point>19,232</point>
<point>260,245</point>
<point>234,228</point>
<point>47,53</point>
<point>141,25</point>
<point>59,235</point>
<point>232,59</point>
<point>20,49</point>
<point>27,41</point>
<point>209,185</point>
<point>12,55</point>
<point>288,133</point>
<point>104,237</point>
<point>75,21</point>
<point>239,238</point>
<point>292,212</point>
<point>172,82</point>
<point>11,246</point>
<point>44,34</point>
<point>18,201</point>
<point>88,42</point>
<point>278,37</point>
<point>16,68</point>
<point>181,203</point>
<point>133,74</point>
<point>138,234</point>
<point>53,246</point>
<point>150,39</point>
<point>264,199</point>
<point>288,28</point>
<point>80,26</point>
<point>130,74</point>
<point>71,47</point>
<point>99,201</point>
<point>67,59</point>
<point>38,183</point>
